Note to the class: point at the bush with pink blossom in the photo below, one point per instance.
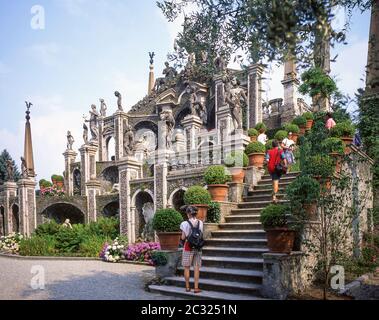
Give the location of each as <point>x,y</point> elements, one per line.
<point>141,251</point>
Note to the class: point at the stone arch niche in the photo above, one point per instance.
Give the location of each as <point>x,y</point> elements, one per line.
<point>144,210</point>
<point>109,177</point>
<point>176,199</point>
<point>110,144</point>
<point>15,218</point>
<point>2,221</point>
<point>205,153</point>
<point>77,181</point>
<point>112,209</point>
<point>62,211</point>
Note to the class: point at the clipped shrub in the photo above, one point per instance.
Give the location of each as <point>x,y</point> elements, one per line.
<point>274,216</point>
<point>301,121</point>
<point>343,129</point>
<point>333,145</point>
<point>216,175</point>
<point>68,240</point>
<point>57,177</point>
<point>255,147</point>
<point>167,220</point>
<point>159,258</point>
<point>105,227</point>
<point>45,184</point>
<point>268,145</point>
<point>50,228</point>
<point>303,190</point>
<point>308,115</point>
<point>319,165</point>
<point>291,127</point>
<point>252,132</point>
<point>281,135</point>
<point>38,246</point>
<point>236,159</point>
<point>214,213</point>
<point>197,195</point>
<point>260,127</point>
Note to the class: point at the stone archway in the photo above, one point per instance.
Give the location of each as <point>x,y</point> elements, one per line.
<point>176,199</point>
<point>143,203</point>
<point>62,211</point>
<point>77,181</point>
<point>110,144</point>
<point>15,218</point>
<point>2,221</point>
<point>112,209</point>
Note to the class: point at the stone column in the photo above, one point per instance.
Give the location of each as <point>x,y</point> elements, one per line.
<point>129,169</point>
<point>10,192</point>
<point>69,159</point>
<point>102,143</point>
<point>191,125</point>
<point>219,93</point>
<point>290,85</point>
<point>27,205</point>
<point>160,183</point>
<point>119,118</point>
<point>92,191</point>
<point>88,164</point>
<point>254,88</point>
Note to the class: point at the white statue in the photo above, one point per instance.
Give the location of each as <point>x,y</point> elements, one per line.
<point>233,97</point>
<point>70,140</point>
<point>103,108</point>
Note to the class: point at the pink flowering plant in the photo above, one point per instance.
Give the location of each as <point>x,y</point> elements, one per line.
<point>141,251</point>
<point>52,191</point>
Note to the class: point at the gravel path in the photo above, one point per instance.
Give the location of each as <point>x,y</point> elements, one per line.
<point>75,280</point>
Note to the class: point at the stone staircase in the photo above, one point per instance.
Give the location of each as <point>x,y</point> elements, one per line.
<point>232,258</point>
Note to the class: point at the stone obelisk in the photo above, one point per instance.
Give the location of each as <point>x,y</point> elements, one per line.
<point>151,73</point>
<point>28,145</point>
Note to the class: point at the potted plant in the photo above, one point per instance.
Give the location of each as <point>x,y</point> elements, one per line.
<point>280,135</point>
<point>268,145</point>
<point>301,122</point>
<point>216,178</point>
<point>260,127</point>
<point>256,152</point>
<point>200,198</point>
<point>303,192</point>
<point>280,238</point>
<point>237,161</point>
<point>43,184</point>
<point>57,180</point>
<point>345,131</point>
<point>294,128</point>
<point>166,222</point>
<point>253,134</point>
<point>310,118</point>
<point>335,148</point>
<point>321,167</point>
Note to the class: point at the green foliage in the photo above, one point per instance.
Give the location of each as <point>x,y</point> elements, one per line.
<point>274,216</point>
<point>216,175</point>
<point>105,227</point>
<point>281,135</point>
<point>159,258</point>
<point>214,213</point>
<point>343,129</point>
<point>268,145</point>
<point>308,115</point>
<point>45,184</point>
<point>57,177</point>
<point>304,190</point>
<point>197,195</point>
<point>333,145</point>
<point>252,132</point>
<point>50,228</point>
<point>291,127</point>
<point>317,83</point>
<point>300,121</point>
<point>319,165</point>
<point>236,159</point>
<point>68,240</point>
<point>260,127</point>
<point>38,246</point>
<point>4,156</point>
<point>255,147</point>
<point>91,245</point>
<point>167,220</point>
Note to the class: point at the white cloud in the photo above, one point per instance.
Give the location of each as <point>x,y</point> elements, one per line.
<point>4,69</point>
<point>46,53</point>
<point>74,7</point>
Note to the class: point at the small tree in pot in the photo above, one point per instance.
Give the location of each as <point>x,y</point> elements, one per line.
<point>310,118</point>
<point>335,148</point>
<point>321,167</point>
<point>301,122</point>
<point>294,128</point>
<point>256,152</point>
<point>281,135</point>
<point>216,178</point>
<point>344,130</point>
<point>260,127</point>
<point>280,238</point>
<point>200,198</point>
<point>166,222</point>
<point>237,161</point>
<point>253,134</point>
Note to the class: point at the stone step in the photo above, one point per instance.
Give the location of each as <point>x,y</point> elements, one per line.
<point>237,242</point>
<point>262,197</point>
<point>228,274</point>
<point>268,185</point>
<point>241,234</point>
<point>283,178</point>
<point>217,285</point>
<point>264,191</point>
<point>240,226</point>
<point>236,218</point>
<point>210,251</point>
<point>204,295</point>
<point>232,262</point>
<point>246,211</point>
<point>258,204</point>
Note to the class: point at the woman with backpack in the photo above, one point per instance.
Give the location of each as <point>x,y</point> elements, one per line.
<point>192,237</point>
<point>276,166</point>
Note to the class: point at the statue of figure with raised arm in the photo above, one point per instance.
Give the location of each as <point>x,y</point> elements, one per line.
<point>233,97</point>
<point>119,100</point>
<point>169,120</point>
<point>10,170</point>
<point>70,140</point>
<point>103,108</point>
<point>128,140</point>
<point>24,168</point>
<point>93,123</point>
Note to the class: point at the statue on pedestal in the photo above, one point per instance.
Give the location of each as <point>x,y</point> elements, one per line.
<point>233,97</point>
<point>119,100</point>
<point>93,123</point>
<point>128,140</point>
<point>24,169</point>
<point>169,76</point>
<point>85,133</point>
<point>10,170</point>
<point>70,140</point>
<point>196,105</point>
<point>103,108</point>
<point>169,121</point>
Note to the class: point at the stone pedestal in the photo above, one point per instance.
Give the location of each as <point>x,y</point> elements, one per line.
<point>120,119</point>
<point>10,193</point>
<point>253,176</point>
<point>69,159</point>
<point>27,205</point>
<point>208,228</point>
<point>254,86</point>
<point>226,208</point>
<point>237,191</point>
<point>290,85</point>
<point>129,169</point>
<point>88,163</point>
<point>282,275</point>
<point>92,191</point>
<point>173,262</point>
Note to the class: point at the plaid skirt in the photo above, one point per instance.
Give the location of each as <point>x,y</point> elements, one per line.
<point>192,257</point>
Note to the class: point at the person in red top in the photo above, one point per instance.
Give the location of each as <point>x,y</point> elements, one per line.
<point>274,157</point>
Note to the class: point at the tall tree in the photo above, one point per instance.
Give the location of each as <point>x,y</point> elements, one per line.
<point>4,157</point>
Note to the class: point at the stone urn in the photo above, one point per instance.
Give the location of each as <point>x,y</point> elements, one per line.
<point>202,210</point>
<point>280,240</point>
<point>218,192</point>
<point>238,174</point>
<point>256,159</point>
<point>169,240</point>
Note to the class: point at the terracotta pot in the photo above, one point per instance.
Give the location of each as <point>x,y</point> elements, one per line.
<point>202,211</point>
<point>347,141</point>
<point>238,174</point>
<point>302,130</point>
<point>337,158</point>
<point>280,240</point>
<point>310,210</point>
<point>256,159</point>
<point>295,136</point>
<point>59,184</point>
<point>169,240</point>
<point>218,192</point>
<point>309,125</point>
<point>325,183</point>
<point>253,138</point>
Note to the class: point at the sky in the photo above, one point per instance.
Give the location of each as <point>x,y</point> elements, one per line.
<point>88,49</point>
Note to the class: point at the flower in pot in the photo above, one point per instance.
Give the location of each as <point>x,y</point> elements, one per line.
<point>256,152</point>
<point>335,148</point>
<point>166,222</point>
<point>216,178</point>
<point>345,131</point>
<point>321,167</point>
<point>200,198</point>
<point>294,128</point>
<point>260,127</point>
<point>237,161</point>
<point>253,134</point>
<point>280,238</point>
<point>310,118</point>
<point>301,122</point>
<point>280,135</point>
<point>303,192</point>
